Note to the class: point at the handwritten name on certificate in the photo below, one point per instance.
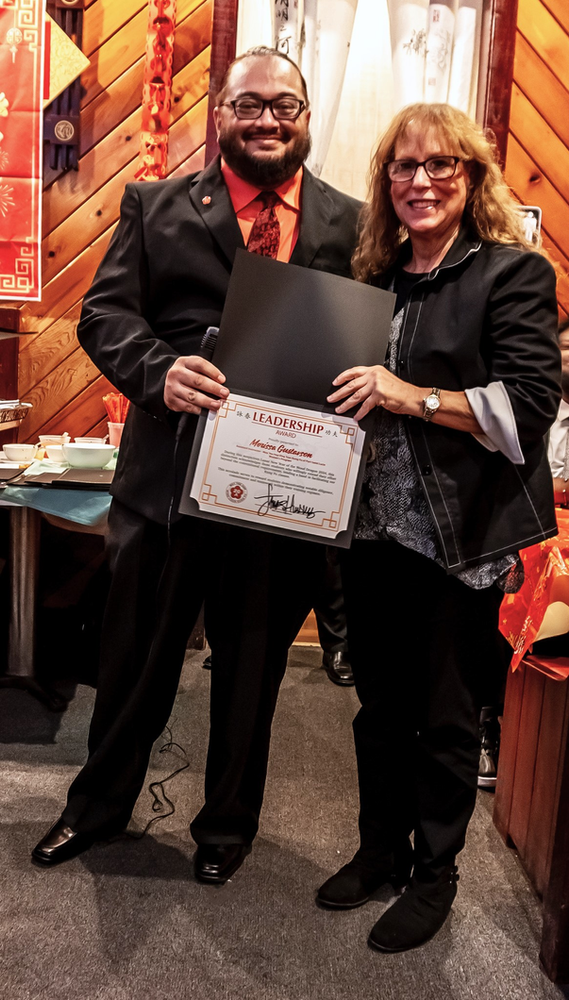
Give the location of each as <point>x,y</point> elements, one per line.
<point>284,466</point>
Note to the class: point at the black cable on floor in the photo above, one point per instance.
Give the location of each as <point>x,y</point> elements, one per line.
<point>169,747</point>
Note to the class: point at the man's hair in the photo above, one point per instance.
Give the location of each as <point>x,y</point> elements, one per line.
<point>491,210</point>
<point>261,52</point>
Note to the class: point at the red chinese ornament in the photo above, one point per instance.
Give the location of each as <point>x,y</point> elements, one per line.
<point>157,90</point>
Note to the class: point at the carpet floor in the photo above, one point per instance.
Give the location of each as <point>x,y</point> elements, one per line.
<point>127,921</point>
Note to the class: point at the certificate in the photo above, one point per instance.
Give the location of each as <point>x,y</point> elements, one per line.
<point>276,467</point>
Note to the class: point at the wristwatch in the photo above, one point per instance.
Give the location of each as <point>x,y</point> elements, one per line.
<point>431,403</point>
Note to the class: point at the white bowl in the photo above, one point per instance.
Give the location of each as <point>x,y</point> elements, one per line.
<point>20,452</point>
<point>55,453</point>
<point>88,456</point>
<point>91,440</point>
<point>46,439</point>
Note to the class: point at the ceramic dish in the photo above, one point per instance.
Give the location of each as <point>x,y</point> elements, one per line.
<point>88,456</point>
<point>55,453</point>
<point>20,452</point>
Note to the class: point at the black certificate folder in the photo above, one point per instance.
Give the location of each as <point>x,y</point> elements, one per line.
<point>288,331</point>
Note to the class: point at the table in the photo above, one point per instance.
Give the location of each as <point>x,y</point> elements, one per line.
<point>531,809</point>
<point>73,508</point>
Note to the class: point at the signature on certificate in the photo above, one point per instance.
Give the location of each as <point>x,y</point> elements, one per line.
<point>286,504</point>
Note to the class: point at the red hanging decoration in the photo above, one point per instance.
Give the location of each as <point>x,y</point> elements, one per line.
<point>157,90</point>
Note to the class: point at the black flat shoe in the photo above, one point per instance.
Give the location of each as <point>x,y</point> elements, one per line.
<point>417,915</point>
<point>60,844</point>
<point>216,863</point>
<point>353,884</point>
<point>338,668</point>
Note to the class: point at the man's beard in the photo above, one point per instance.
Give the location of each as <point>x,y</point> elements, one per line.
<point>264,172</point>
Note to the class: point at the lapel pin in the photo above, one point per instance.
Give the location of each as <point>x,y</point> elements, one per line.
<point>206,200</point>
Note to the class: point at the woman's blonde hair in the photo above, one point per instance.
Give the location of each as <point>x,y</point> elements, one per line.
<point>491,210</point>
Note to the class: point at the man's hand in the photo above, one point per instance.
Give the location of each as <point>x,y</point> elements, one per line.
<point>188,381</point>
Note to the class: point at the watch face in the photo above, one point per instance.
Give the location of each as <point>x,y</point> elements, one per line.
<point>432,402</point>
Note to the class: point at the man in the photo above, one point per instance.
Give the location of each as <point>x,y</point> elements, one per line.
<point>162,283</point>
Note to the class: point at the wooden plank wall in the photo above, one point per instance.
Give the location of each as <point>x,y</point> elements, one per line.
<point>81,208</point>
<point>537,163</point>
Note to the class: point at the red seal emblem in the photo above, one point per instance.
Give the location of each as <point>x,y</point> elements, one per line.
<point>236,492</point>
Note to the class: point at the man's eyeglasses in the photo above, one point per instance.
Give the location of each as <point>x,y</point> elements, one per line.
<point>438,168</point>
<point>282,108</point>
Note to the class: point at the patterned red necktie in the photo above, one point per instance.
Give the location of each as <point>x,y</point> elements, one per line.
<point>265,234</point>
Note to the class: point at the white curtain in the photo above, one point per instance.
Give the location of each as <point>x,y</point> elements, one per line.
<point>440,34</point>
<point>366,105</point>
<point>328,25</point>
<point>289,21</point>
<point>255,24</point>
<point>408,21</point>
<point>463,85</point>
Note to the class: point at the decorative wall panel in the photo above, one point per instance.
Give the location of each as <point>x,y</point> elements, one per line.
<point>81,209</point>
<point>21,103</point>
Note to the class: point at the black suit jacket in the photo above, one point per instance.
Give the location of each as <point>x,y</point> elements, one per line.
<point>162,282</point>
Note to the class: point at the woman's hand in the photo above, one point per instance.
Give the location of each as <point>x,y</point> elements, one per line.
<point>375,386</point>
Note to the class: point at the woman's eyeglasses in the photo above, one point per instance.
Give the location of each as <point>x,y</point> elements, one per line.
<point>438,168</point>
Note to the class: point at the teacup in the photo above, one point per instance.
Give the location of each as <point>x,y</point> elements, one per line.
<point>46,439</point>
<point>20,452</point>
<point>55,453</point>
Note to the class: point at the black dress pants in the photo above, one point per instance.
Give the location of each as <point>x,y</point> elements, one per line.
<point>267,586</point>
<point>257,590</point>
<point>426,655</point>
<point>330,612</point>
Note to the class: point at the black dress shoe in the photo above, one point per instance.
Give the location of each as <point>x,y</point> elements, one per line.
<point>215,863</point>
<point>353,884</point>
<point>489,748</point>
<point>61,844</point>
<point>338,668</point>
<point>417,915</point>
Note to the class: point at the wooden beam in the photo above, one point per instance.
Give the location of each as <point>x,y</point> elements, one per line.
<point>500,71</point>
<point>9,368</point>
<point>223,47</point>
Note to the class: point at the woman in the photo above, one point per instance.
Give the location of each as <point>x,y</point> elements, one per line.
<point>459,483</point>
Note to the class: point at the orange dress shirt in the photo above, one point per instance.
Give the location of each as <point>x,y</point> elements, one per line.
<point>247,205</point>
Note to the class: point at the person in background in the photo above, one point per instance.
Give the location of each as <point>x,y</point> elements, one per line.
<point>458,484</point>
<point>558,446</point>
<point>331,622</point>
<point>557,645</point>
